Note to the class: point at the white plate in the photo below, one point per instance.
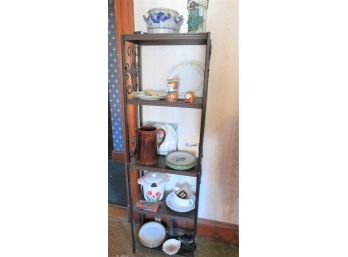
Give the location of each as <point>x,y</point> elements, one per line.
<point>191,77</point>
<point>175,207</point>
<point>181,158</point>
<point>152,234</point>
<point>141,95</point>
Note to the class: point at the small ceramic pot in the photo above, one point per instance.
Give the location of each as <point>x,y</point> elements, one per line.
<point>163,20</point>
<point>153,186</point>
<point>189,97</point>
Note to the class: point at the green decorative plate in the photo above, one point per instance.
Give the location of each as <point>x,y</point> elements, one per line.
<point>187,167</point>
<point>181,158</point>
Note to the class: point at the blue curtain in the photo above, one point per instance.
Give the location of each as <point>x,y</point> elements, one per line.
<point>113,82</point>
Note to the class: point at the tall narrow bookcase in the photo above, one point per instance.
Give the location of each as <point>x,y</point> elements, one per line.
<point>132,81</point>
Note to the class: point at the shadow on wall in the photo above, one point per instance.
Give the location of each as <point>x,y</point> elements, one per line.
<point>222,171</point>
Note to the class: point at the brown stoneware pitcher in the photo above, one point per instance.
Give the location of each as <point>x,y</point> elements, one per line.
<point>147,144</point>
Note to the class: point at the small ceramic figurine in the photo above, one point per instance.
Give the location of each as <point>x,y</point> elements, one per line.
<point>172,90</point>
<point>189,97</point>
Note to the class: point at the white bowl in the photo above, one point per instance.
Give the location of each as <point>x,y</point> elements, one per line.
<point>171,246</point>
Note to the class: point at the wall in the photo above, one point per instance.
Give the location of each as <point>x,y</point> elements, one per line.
<point>219,188</point>
<point>113,81</point>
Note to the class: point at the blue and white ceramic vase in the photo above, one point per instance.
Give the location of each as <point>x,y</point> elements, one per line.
<point>163,20</point>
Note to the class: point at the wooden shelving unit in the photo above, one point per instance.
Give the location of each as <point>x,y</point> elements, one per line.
<point>131,50</point>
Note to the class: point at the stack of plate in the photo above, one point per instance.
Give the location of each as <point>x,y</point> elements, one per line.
<point>180,160</point>
<point>152,234</point>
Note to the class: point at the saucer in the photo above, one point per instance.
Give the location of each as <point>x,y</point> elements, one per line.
<point>174,206</point>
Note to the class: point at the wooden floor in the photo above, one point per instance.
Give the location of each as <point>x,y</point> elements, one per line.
<point>120,244</point>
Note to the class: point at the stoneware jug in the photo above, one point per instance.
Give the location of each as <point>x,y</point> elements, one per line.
<point>147,144</point>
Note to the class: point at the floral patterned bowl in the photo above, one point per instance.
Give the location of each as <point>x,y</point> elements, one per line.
<point>163,20</point>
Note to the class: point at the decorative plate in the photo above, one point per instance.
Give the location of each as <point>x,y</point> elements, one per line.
<point>181,158</point>
<point>152,234</point>
<point>175,207</point>
<point>191,77</point>
<point>181,167</point>
<point>150,94</point>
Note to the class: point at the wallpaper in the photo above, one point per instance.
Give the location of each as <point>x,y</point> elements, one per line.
<point>113,82</point>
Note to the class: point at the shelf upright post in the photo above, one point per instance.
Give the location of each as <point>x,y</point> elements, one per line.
<point>126,145</point>
<point>201,136</point>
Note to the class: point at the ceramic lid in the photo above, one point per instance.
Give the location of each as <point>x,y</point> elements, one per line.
<point>154,177</point>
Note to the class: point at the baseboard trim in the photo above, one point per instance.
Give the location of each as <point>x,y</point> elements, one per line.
<point>218,230</point>
<point>118,156</point>
<point>222,231</point>
<point>118,212</point>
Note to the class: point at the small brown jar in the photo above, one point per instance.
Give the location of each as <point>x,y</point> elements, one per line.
<point>189,97</point>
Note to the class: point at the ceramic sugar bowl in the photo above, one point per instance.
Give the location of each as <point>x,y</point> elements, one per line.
<point>153,185</point>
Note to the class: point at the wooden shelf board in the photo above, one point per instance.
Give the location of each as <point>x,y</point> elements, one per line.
<point>181,253</point>
<point>168,38</point>
<point>161,167</point>
<point>198,104</point>
<point>164,211</point>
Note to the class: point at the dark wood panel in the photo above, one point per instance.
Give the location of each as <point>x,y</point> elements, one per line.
<point>198,104</point>
<point>168,39</point>
<point>118,156</point>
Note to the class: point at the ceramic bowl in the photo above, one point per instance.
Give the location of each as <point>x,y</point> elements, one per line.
<point>171,246</point>
<point>163,20</point>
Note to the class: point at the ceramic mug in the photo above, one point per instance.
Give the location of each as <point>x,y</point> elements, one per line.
<point>184,202</point>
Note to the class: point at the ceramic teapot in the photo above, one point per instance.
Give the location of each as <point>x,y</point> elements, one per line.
<point>153,185</point>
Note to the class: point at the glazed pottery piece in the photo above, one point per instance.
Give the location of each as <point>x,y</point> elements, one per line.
<point>171,246</point>
<point>163,20</point>
<point>181,158</point>
<point>153,185</point>
<point>171,141</point>
<point>171,204</point>
<point>147,144</point>
<point>189,97</point>
<point>152,234</point>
